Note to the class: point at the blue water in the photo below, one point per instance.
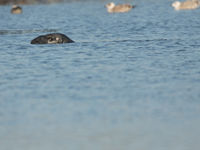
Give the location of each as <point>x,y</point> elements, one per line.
<point>130,81</point>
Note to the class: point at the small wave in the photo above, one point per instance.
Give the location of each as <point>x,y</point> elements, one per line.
<point>125,40</point>
<point>19,31</point>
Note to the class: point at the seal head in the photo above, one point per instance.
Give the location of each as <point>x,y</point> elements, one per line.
<point>53,38</point>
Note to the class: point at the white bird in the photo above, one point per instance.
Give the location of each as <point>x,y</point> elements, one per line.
<point>112,8</point>
<point>189,4</point>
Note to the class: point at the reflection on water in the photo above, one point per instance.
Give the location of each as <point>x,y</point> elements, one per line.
<point>130,81</point>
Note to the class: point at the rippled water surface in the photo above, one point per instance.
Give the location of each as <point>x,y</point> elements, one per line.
<point>130,81</point>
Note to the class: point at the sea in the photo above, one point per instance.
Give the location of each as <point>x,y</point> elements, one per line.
<point>131,81</point>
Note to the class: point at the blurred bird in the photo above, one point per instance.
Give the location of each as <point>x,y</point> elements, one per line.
<point>112,8</point>
<point>189,4</point>
<point>16,9</point>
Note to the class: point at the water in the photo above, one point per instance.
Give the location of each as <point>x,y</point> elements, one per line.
<point>131,81</point>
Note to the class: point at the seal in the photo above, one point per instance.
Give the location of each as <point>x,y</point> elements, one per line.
<point>16,9</point>
<point>120,8</point>
<point>53,38</point>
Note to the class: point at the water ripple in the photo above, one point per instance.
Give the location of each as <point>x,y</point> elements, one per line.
<point>22,31</point>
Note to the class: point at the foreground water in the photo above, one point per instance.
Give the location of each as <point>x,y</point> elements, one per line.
<point>131,81</point>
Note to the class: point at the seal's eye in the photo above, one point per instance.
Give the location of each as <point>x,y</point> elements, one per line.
<point>50,39</point>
